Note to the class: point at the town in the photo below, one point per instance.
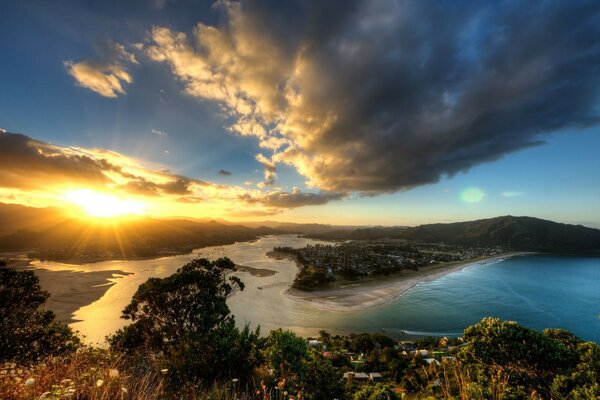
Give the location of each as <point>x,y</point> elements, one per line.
<point>323,265</point>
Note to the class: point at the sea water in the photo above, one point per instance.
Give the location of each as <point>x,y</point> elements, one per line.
<point>538,291</point>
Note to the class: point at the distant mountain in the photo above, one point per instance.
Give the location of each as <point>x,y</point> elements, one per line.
<point>307,229</point>
<point>377,232</point>
<point>51,234</point>
<point>518,233</point>
<point>15,217</point>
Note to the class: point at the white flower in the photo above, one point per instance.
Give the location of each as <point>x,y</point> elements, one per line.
<point>29,382</point>
<point>99,382</point>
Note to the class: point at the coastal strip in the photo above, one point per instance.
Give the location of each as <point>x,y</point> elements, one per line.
<point>362,295</point>
<point>70,289</point>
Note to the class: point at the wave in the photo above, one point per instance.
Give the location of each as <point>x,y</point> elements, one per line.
<point>423,333</point>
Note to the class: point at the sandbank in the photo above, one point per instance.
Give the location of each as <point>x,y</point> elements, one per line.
<point>70,290</point>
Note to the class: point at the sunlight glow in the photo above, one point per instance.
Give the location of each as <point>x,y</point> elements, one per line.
<point>101,205</point>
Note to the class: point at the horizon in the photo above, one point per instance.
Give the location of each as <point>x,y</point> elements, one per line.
<point>269,112</point>
<point>76,214</point>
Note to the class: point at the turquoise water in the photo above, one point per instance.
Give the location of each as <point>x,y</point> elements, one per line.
<point>536,291</point>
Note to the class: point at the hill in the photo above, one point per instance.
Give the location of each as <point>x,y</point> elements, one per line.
<point>518,233</point>
<point>50,234</point>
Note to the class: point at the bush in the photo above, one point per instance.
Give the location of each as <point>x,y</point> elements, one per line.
<point>376,392</point>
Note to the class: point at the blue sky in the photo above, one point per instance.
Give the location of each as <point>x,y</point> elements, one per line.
<point>161,123</point>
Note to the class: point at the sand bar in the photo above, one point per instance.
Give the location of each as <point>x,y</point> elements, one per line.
<point>70,290</point>
<point>363,295</point>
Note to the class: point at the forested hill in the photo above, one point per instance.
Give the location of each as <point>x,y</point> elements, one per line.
<point>519,233</point>
<point>51,234</point>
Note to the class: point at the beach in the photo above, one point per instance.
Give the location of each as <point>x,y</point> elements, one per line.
<point>365,294</point>
<point>70,290</point>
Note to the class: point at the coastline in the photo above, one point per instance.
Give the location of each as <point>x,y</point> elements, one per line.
<point>366,294</point>
<point>70,289</point>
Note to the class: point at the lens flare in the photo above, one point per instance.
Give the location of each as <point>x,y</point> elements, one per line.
<point>472,195</point>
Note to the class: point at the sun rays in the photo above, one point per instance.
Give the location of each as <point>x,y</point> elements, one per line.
<point>101,205</point>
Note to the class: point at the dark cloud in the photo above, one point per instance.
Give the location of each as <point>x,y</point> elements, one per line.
<point>295,198</point>
<point>33,165</point>
<point>26,163</point>
<point>224,172</point>
<point>380,96</point>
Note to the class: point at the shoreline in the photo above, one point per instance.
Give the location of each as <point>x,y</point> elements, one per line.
<point>365,294</point>
<point>70,290</point>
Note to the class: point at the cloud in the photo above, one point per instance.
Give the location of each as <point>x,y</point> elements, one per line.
<point>191,199</point>
<point>295,198</point>
<point>224,172</point>
<point>252,213</point>
<point>32,166</point>
<point>376,97</point>
<point>106,74</point>
<point>158,132</point>
<point>270,173</point>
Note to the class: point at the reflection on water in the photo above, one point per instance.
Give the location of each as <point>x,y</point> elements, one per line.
<point>565,295</point>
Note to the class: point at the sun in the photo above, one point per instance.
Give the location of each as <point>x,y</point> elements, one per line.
<point>102,205</point>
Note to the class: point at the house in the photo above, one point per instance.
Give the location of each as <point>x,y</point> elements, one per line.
<point>314,343</point>
<point>375,376</point>
<point>408,346</point>
<point>358,360</point>
<point>360,376</point>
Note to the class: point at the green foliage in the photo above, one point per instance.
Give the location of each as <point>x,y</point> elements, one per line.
<point>285,353</point>
<point>583,381</point>
<point>376,392</point>
<point>184,320</point>
<point>508,345</point>
<point>27,332</point>
<point>554,362</point>
<point>320,380</point>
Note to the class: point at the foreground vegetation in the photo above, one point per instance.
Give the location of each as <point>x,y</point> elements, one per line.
<point>183,344</point>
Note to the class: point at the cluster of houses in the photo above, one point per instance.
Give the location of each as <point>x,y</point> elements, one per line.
<point>366,258</point>
<point>406,348</point>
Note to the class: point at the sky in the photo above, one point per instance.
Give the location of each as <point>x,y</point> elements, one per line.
<point>359,112</point>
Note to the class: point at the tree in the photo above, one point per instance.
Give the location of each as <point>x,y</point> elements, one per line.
<point>531,359</point>
<point>26,331</point>
<point>285,353</point>
<point>320,380</point>
<point>583,382</point>
<point>184,318</point>
<point>376,392</point>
